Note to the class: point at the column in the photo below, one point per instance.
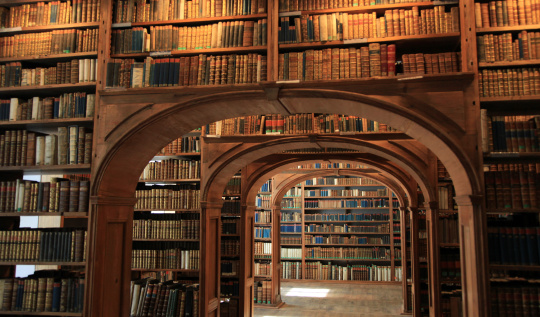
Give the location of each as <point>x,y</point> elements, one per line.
<point>210,258</point>
<point>109,256</point>
<point>432,226</point>
<point>246,275</point>
<point>415,263</point>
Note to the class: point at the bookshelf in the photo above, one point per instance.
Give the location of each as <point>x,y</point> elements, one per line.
<point>47,103</point>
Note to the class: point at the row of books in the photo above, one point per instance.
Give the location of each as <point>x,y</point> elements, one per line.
<point>446,198</point>
<point>290,253</point>
<point>509,82</point>
<point>331,165</point>
<point>336,180</point>
<point>513,300</point>
<point>50,13</point>
<point>511,133</point>
<point>233,187</point>
<point>347,253</point>
<point>263,201</point>
<point>262,292</point>
<point>448,230</point>
<point>230,268</point>
<point>232,247</point>
<point>73,72</point>
<point>44,291</point>
<point>291,216</point>
<point>291,240</point>
<point>230,226</point>
<point>228,308</point>
<point>346,240</point>
<point>348,26</point>
<point>296,5</point>
<point>291,270</point>
<point>47,43</point>
<point>338,63</point>
<point>187,144</point>
<point>231,207</point>
<point>512,189</point>
<point>450,265</point>
<point>266,187</point>
<point>150,297</point>
<point>58,195</point>
<point>347,217</point>
<point>501,47</point>
<point>43,245</point>
<point>288,228</point>
<point>396,228</point>
<point>346,203</point>
<point>293,203</point>
<point>382,228</point>
<point>166,229</point>
<point>72,145</point>
<point>67,105</point>
<point>177,197</point>
<point>187,71</point>
<point>513,245</point>
<point>320,271</point>
<point>263,217</point>
<point>173,38</point>
<point>263,248</point>
<point>229,288</point>
<point>165,10</point>
<point>172,169</point>
<point>295,124</point>
<point>380,192</point>
<point>421,63</point>
<point>506,13</point>
<point>262,233</point>
<point>172,258</point>
<point>264,269</point>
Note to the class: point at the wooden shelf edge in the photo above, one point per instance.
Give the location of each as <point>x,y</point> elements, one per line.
<point>46,122</point>
<point>190,21</point>
<point>515,267</point>
<point>46,87</point>
<point>508,28</point>
<point>510,98</point>
<point>162,270</point>
<point>341,281</point>
<point>368,8</point>
<point>45,167</point>
<point>25,313</point>
<point>49,27</point>
<point>65,214</point>
<point>174,53</point>
<point>509,63</point>
<point>48,57</point>
<point>167,240</point>
<point>42,263</point>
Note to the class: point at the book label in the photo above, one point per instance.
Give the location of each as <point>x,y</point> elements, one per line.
<point>15,29</point>
<point>217,136</point>
<point>288,81</point>
<point>356,41</point>
<point>290,14</point>
<point>121,25</point>
<point>410,78</point>
<point>273,133</point>
<point>160,53</point>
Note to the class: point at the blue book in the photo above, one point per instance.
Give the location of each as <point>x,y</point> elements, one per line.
<point>56,295</point>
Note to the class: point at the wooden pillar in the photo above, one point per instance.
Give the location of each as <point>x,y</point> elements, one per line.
<point>415,263</point>
<point>473,255</point>
<point>210,261</point>
<point>276,255</point>
<point>109,256</point>
<point>432,226</point>
<point>404,264</point>
<point>247,258</point>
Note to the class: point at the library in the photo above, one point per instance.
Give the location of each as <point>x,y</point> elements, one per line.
<point>227,157</point>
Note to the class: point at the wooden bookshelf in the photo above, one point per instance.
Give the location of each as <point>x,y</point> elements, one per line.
<point>223,50</point>
<point>49,58</point>
<point>379,8</point>
<point>45,28</point>
<point>191,21</point>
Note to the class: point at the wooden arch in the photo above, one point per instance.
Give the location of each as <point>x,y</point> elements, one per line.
<point>132,128</point>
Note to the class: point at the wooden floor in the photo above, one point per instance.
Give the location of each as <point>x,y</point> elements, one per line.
<point>317,299</point>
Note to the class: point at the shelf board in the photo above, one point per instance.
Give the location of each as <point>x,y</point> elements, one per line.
<point>512,156</point>
<point>510,98</point>
<point>45,168</point>
<point>378,233</point>
<point>293,222</point>
<point>444,37</point>
<point>263,239</point>
<point>263,276</point>
<point>357,9</point>
<point>167,240</point>
<point>347,245</point>
<point>345,208</point>
<point>345,197</point>
<point>449,245</point>
<point>497,29</point>
<point>47,123</point>
<point>163,270</point>
<point>50,58</point>
<point>230,215</point>
<point>512,210</point>
<point>65,214</point>
<point>258,224</point>
<point>290,232</point>
<point>528,62</point>
<point>175,155</point>
<point>50,27</point>
<point>224,50</point>
<point>302,280</point>
<point>42,263</point>
<point>153,181</point>
<point>25,313</point>
<point>46,89</point>
<point>264,193</point>
<point>515,267</point>
<point>292,244</point>
<point>230,235</point>
<point>254,138</point>
<point>345,221</point>
<point>349,185</point>
<point>356,260</point>
<point>190,21</point>
<point>183,210</point>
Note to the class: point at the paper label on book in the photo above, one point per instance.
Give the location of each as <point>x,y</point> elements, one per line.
<point>273,133</point>
<point>213,136</point>
<point>121,25</point>
<point>290,14</point>
<point>288,81</point>
<point>356,41</point>
<point>160,53</point>
<point>410,78</point>
<point>504,155</point>
<point>15,29</point>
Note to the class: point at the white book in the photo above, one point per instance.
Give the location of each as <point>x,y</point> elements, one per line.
<point>42,77</point>
<point>182,9</point>
<point>93,70</point>
<point>35,108</point>
<point>334,26</point>
<point>136,292</point>
<point>219,35</point>
<point>87,70</point>
<point>345,23</point>
<point>17,192</point>
<point>90,105</point>
<point>323,28</point>
<point>51,149</point>
<point>13,106</point>
<point>214,34</point>
<point>81,70</point>
<point>20,196</point>
<point>40,150</point>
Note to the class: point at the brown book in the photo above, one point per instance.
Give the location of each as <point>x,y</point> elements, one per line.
<point>63,188</point>
<point>73,204</point>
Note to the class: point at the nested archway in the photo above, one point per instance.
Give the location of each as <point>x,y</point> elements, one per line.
<point>141,127</point>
